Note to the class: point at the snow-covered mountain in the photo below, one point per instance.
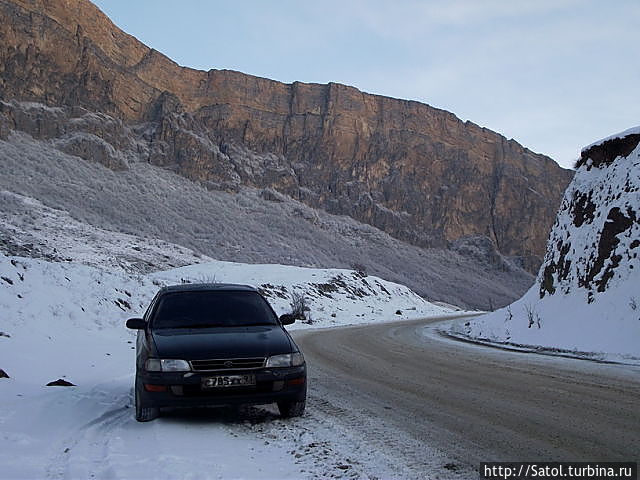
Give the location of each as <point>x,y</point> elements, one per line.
<point>586,298</point>
<point>91,167</point>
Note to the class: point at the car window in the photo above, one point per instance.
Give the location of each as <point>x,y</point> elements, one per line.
<point>212,309</point>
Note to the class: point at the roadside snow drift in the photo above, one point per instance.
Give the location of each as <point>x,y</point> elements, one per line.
<point>586,298</point>
<point>63,322</point>
<point>62,319</point>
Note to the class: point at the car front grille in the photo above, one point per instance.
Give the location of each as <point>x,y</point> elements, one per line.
<point>223,364</point>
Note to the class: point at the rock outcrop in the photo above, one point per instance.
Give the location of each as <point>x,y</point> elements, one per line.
<point>586,296</point>
<point>595,240</point>
<point>416,172</point>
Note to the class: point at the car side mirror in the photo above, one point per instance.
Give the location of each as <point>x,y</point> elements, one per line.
<point>287,319</point>
<point>136,324</point>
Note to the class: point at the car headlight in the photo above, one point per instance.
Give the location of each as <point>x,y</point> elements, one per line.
<point>286,360</point>
<point>166,365</point>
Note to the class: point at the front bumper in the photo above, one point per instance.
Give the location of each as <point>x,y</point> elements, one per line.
<point>183,389</point>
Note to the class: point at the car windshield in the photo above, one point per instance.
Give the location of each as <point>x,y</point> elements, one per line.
<point>212,309</point>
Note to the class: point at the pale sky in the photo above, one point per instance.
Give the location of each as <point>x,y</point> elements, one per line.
<point>554,75</point>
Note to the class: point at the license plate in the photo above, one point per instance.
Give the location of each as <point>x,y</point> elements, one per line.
<point>224,381</point>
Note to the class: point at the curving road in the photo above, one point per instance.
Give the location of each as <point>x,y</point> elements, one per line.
<point>440,405</point>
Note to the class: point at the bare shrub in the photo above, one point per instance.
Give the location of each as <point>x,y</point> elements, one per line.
<point>530,313</point>
<point>300,307</point>
<point>207,279</point>
<point>532,316</point>
<point>359,268</point>
<point>509,314</point>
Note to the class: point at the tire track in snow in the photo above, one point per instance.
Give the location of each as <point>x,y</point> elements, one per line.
<point>382,451</point>
<point>85,452</point>
<point>335,440</point>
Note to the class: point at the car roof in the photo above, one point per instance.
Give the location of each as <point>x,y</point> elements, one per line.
<point>207,287</point>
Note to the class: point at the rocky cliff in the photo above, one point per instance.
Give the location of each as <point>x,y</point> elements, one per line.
<point>416,172</point>
<point>586,296</point>
<point>595,239</point>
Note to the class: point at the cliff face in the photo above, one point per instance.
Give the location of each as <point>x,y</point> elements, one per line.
<point>414,171</point>
<point>87,164</point>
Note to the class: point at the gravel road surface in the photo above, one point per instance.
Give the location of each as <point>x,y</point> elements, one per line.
<point>440,406</point>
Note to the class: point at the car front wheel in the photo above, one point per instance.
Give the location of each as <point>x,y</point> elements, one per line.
<point>291,409</point>
<point>144,413</point>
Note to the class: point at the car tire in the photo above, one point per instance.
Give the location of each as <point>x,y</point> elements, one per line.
<point>291,409</point>
<point>144,413</point>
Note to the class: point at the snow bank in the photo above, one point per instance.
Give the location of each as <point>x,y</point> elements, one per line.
<point>586,298</point>
<point>335,296</point>
<point>72,311</point>
<point>65,320</point>
<point>84,282</point>
<point>615,136</point>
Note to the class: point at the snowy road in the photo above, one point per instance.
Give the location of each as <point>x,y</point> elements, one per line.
<point>386,401</point>
<point>442,406</point>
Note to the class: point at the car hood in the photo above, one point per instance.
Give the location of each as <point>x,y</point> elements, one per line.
<point>222,342</point>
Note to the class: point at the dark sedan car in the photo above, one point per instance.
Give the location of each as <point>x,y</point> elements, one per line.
<point>215,344</point>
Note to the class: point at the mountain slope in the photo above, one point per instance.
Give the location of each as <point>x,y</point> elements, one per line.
<point>251,226</point>
<point>416,172</point>
<point>586,296</point>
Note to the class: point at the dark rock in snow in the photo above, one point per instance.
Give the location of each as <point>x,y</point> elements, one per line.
<point>604,153</point>
<point>451,466</point>
<point>3,374</point>
<point>60,383</point>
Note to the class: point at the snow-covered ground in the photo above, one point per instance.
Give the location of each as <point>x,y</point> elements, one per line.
<point>65,319</point>
<point>73,311</point>
<point>29,228</point>
<point>586,299</point>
